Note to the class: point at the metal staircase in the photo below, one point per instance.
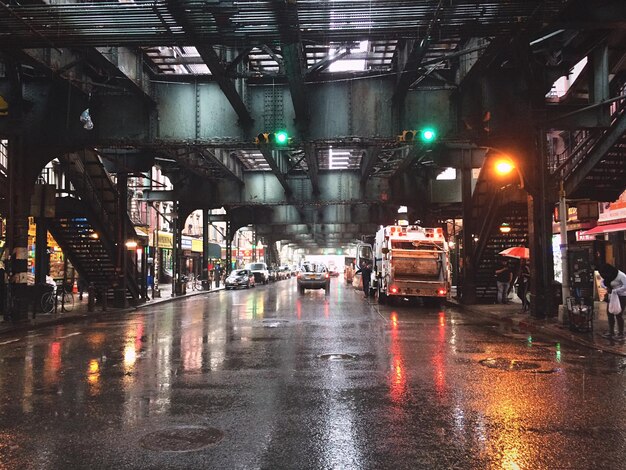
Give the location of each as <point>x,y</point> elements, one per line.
<point>495,202</point>
<point>595,168</point>
<point>82,242</point>
<point>86,227</point>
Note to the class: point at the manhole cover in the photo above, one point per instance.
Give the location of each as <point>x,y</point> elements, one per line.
<point>338,357</point>
<point>274,323</point>
<point>181,439</point>
<point>508,364</point>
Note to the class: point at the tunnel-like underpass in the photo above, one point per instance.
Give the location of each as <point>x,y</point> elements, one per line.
<point>267,378</point>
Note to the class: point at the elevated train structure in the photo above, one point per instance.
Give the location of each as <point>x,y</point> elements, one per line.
<point>190,86</point>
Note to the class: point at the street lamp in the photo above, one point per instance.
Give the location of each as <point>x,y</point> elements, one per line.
<point>505,166</point>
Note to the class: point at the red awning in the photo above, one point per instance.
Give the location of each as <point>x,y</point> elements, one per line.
<point>606,229</point>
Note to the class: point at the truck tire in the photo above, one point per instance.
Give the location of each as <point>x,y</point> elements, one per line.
<point>301,290</point>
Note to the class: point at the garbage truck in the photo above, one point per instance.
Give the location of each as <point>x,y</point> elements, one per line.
<point>408,261</point>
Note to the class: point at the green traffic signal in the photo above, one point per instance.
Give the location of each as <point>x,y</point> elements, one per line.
<point>428,135</point>
<point>282,138</point>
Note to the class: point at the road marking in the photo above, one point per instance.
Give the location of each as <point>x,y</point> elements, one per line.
<point>67,336</point>
<point>10,341</point>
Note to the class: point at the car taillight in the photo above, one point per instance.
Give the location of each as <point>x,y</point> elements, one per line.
<point>327,275</point>
<point>441,292</point>
<point>299,275</point>
<point>393,289</point>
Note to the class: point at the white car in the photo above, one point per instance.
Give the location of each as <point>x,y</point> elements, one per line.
<point>261,274</point>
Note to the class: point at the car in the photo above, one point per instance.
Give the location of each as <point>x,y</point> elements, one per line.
<point>261,274</point>
<point>313,276</point>
<point>240,278</point>
<point>285,272</point>
<point>273,274</point>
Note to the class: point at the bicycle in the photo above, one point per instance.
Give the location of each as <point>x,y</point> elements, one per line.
<point>193,282</point>
<point>50,300</point>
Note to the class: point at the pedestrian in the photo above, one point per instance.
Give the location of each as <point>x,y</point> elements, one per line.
<point>82,286</point>
<point>523,284</point>
<point>614,280</point>
<point>218,275</point>
<point>504,276</point>
<point>366,275</point>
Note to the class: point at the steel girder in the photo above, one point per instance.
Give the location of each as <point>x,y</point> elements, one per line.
<point>262,189</point>
<point>349,112</point>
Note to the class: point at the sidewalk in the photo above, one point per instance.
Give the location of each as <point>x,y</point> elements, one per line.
<point>511,313</point>
<point>80,310</point>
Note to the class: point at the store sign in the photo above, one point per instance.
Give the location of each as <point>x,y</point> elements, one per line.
<point>613,211</point>
<point>165,240</point>
<point>581,237</point>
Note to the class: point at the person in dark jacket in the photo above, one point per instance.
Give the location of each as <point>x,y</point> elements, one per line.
<point>366,275</point>
<point>523,284</point>
<point>615,281</point>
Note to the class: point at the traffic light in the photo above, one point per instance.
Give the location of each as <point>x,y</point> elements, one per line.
<point>274,138</point>
<point>428,135</point>
<point>281,138</point>
<point>407,136</point>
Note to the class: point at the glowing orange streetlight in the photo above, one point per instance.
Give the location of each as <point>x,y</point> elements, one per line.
<point>505,165</point>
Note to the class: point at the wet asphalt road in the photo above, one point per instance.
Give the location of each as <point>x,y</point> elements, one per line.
<point>266,378</point>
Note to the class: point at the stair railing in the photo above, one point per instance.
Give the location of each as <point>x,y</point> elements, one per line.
<point>585,140</point>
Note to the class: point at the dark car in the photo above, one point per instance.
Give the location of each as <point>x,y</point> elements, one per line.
<point>313,276</point>
<point>239,278</point>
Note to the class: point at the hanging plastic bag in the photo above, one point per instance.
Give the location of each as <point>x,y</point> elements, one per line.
<point>614,305</point>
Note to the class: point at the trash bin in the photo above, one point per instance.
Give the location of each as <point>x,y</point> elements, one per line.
<point>181,288</point>
<point>580,314</point>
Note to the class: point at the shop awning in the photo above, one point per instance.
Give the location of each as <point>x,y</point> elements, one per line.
<point>606,229</point>
<point>141,232</point>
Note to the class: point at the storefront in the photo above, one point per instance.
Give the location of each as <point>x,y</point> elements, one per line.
<point>611,231</point>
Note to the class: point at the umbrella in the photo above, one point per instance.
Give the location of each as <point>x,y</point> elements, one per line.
<point>520,252</point>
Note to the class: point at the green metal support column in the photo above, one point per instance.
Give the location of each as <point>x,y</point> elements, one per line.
<point>17,228</point>
<point>121,259</point>
<point>468,269</point>
<point>540,206</point>
<point>229,244</point>
<point>205,244</point>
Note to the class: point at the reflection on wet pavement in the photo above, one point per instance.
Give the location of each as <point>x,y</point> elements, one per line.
<point>269,378</point>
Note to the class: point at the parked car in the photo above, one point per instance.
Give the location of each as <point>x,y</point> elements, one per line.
<point>285,272</point>
<point>240,278</point>
<point>273,274</point>
<point>261,274</point>
<point>313,276</point>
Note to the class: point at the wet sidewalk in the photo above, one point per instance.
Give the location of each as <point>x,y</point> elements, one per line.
<point>551,327</point>
<point>80,310</point>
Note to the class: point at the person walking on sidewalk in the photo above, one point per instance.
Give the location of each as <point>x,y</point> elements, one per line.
<point>366,275</point>
<point>504,276</point>
<point>614,280</point>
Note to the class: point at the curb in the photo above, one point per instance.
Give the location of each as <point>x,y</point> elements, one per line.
<point>62,319</point>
